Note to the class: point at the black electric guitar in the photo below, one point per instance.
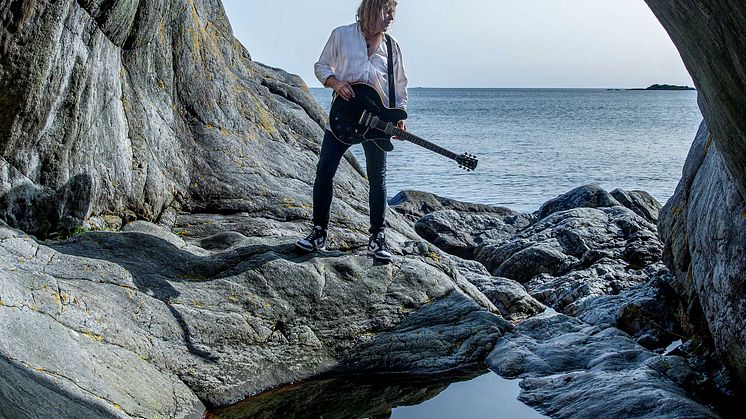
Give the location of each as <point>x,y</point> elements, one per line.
<point>365,118</point>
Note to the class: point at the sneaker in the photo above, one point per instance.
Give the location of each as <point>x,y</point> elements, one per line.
<point>314,241</point>
<point>377,247</point>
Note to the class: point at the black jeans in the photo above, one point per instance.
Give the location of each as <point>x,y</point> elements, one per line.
<point>332,152</point>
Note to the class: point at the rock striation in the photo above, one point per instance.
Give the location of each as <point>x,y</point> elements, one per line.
<point>703,226</point>
<point>142,109</point>
<point>703,223</point>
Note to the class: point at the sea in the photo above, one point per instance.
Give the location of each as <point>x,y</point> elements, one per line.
<point>535,144</point>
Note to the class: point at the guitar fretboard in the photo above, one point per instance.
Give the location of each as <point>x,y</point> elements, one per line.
<point>416,140</point>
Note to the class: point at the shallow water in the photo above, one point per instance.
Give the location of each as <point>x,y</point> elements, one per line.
<point>464,396</point>
<point>486,396</point>
<point>534,144</point>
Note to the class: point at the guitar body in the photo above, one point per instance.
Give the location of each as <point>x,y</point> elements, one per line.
<point>344,117</point>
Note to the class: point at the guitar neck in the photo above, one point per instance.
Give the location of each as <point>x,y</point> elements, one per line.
<point>423,143</point>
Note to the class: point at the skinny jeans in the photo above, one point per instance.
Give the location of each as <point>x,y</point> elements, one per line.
<point>332,151</point>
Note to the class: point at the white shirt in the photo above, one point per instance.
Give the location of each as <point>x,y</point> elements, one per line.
<point>345,56</point>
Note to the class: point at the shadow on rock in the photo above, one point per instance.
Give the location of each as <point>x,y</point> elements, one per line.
<point>43,211</point>
<point>156,264</point>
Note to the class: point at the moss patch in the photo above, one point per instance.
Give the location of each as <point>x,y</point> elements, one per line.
<point>94,337</point>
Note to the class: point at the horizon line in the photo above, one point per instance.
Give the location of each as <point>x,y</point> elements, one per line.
<point>539,88</point>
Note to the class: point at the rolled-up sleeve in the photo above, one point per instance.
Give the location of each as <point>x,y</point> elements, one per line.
<point>324,68</point>
<point>400,79</point>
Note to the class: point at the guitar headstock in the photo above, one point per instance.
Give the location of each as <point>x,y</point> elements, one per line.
<point>467,161</point>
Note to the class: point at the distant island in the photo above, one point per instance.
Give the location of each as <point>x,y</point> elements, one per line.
<point>666,87</point>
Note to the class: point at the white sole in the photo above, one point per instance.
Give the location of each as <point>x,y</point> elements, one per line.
<point>372,253</point>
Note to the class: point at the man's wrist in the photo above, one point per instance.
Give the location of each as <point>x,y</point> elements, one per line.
<point>330,82</point>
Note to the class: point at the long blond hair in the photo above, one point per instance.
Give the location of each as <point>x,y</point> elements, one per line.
<point>369,11</point>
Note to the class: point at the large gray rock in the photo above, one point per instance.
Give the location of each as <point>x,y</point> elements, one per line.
<point>650,312</point>
<point>641,202</point>
<point>601,241</point>
<point>573,370</point>
<point>508,296</point>
<point>147,109</point>
<point>460,233</point>
<point>587,196</point>
<point>704,229</point>
<point>142,323</point>
<point>417,204</point>
<point>703,223</point>
<point>710,38</point>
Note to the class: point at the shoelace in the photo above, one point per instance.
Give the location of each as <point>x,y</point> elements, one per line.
<point>380,242</point>
<point>315,234</point>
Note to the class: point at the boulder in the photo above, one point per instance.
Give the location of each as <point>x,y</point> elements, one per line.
<point>510,297</point>
<point>649,312</point>
<point>587,196</point>
<point>460,233</point>
<point>416,204</point>
<point>575,240</point>
<point>571,369</point>
<point>704,230</point>
<point>641,202</point>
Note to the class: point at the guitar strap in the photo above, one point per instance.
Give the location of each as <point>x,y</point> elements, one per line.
<point>392,90</point>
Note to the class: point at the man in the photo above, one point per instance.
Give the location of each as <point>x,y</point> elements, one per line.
<point>357,53</point>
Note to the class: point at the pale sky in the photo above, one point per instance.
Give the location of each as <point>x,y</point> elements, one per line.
<point>479,43</point>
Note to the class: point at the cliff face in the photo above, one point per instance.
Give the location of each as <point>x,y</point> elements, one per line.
<point>710,37</point>
<point>704,223</point>
<point>140,108</point>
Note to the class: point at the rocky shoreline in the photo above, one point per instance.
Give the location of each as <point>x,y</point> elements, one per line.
<point>593,259</point>
<point>571,298</point>
<point>153,178</point>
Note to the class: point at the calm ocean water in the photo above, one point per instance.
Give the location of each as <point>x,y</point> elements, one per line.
<point>534,144</point>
